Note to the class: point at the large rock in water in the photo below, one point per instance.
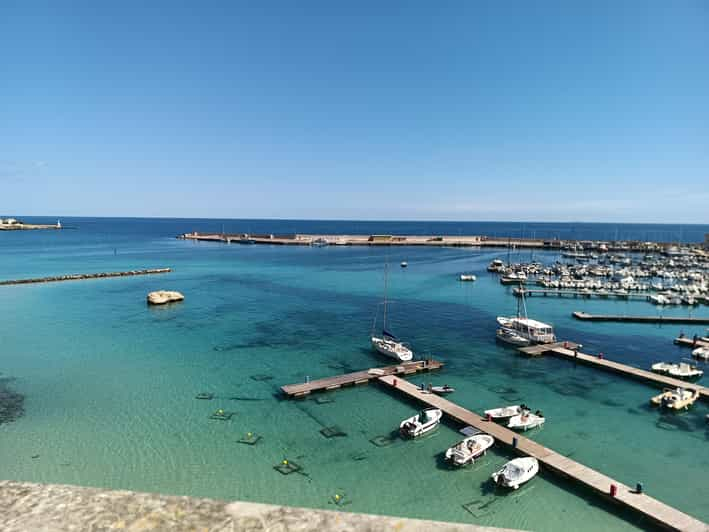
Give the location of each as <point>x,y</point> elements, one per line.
<point>164,296</point>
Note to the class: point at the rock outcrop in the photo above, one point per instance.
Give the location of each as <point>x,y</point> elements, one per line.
<point>161,297</point>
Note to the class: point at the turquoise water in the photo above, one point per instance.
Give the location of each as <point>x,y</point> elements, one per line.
<point>110,384</point>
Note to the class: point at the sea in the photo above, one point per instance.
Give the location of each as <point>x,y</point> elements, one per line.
<point>110,384</point>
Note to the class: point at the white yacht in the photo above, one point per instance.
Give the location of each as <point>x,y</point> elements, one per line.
<point>534,331</point>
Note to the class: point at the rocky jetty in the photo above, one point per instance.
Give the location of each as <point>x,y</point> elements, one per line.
<point>162,297</point>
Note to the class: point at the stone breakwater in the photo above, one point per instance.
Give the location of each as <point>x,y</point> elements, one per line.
<point>52,507</point>
<point>82,276</point>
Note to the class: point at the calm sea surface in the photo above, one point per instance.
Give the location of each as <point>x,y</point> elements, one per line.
<point>110,384</point>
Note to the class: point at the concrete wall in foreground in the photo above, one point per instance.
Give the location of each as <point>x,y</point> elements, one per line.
<point>53,507</point>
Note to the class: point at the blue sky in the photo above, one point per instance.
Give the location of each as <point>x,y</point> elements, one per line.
<point>463,110</point>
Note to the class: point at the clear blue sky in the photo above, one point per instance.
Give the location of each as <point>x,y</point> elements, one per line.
<point>465,110</point>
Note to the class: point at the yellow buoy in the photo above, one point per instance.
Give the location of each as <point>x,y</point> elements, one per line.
<point>285,462</point>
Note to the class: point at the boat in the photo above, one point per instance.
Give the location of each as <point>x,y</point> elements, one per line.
<point>387,344</point>
<point>516,472</point>
<point>442,390</point>
<point>404,264</point>
<point>536,332</point>
<point>320,243</point>
<point>470,449</point>
<point>513,278</point>
<point>685,371</point>
<point>526,420</point>
<point>504,412</point>
<point>676,399</point>
<point>467,277</point>
<point>421,423</point>
<point>495,266</point>
<point>701,353</point>
<point>511,337</point>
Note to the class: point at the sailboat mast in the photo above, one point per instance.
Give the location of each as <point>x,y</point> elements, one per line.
<point>386,279</point>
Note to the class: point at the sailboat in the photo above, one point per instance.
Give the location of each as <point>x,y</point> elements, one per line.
<point>388,344</point>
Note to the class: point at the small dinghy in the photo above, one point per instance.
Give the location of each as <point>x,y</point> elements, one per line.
<point>421,423</point>
<point>404,264</point>
<point>677,399</point>
<point>516,472</point>
<point>505,412</point>
<point>526,420</point>
<point>509,336</point>
<point>467,277</point>
<point>470,449</point>
<point>442,390</point>
<point>702,353</point>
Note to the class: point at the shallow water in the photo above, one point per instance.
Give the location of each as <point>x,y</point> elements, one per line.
<point>110,384</point>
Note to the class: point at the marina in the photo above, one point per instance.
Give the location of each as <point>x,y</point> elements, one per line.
<point>660,514</point>
<point>257,318</point>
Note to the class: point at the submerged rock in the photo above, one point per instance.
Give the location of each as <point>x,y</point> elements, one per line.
<point>162,297</point>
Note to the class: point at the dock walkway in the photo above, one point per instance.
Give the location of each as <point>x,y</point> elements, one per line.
<point>689,342</point>
<point>641,319</point>
<point>659,513</point>
<point>82,276</point>
<point>561,292</point>
<point>568,350</point>
<point>359,377</point>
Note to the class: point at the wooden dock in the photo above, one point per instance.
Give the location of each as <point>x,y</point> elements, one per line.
<point>569,351</point>
<point>689,342</point>
<point>358,377</point>
<point>657,512</point>
<point>82,276</point>
<point>586,294</point>
<point>642,319</point>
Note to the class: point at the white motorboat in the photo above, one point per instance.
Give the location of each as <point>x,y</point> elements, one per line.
<point>470,449</point>
<point>404,264</point>
<point>685,371</point>
<point>467,277</point>
<point>511,337</point>
<point>442,390</point>
<point>504,412</point>
<point>677,399</point>
<point>387,344</point>
<point>421,423</point>
<point>701,353</point>
<point>661,367</point>
<point>516,472</point>
<point>526,420</point>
